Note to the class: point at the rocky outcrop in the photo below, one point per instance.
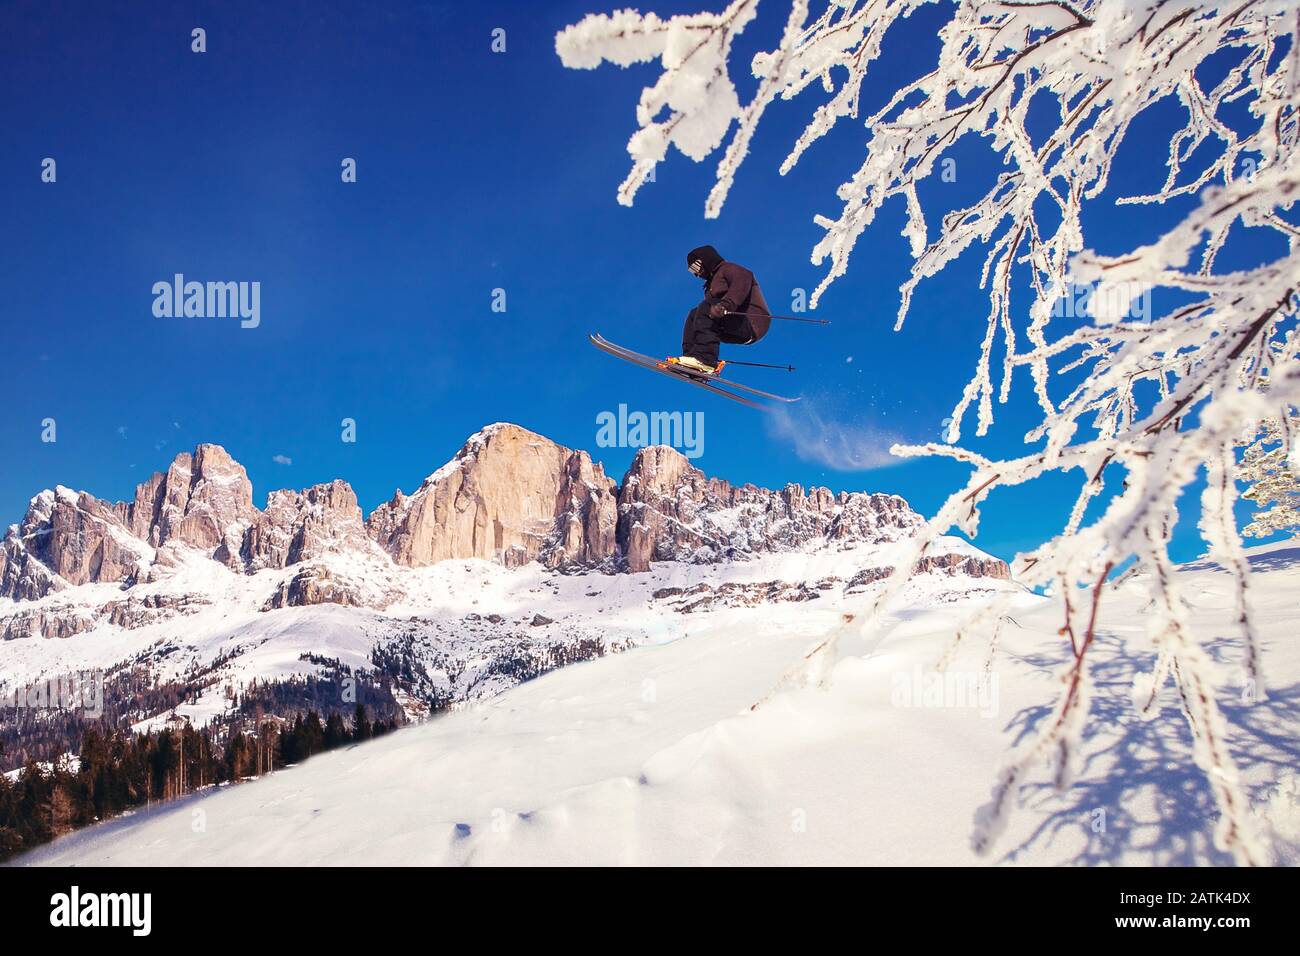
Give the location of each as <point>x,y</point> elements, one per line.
<point>670,511</point>
<point>58,622</point>
<point>62,618</point>
<point>509,495</point>
<point>318,585</point>
<point>67,538</point>
<point>967,564</point>
<point>302,525</point>
<point>705,596</point>
<point>204,500</point>
<point>136,611</point>
<point>586,507</point>
<point>952,563</point>
<point>22,577</point>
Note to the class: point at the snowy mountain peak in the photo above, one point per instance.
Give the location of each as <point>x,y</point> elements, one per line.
<point>204,500</point>
<point>508,495</point>
<point>671,511</point>
<point>298,526</point>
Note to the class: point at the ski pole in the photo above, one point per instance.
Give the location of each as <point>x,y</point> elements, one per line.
<point>788,368</point>
<point>786,318</point>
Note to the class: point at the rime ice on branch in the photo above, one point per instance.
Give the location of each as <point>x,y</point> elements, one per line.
<point>1163,398</point>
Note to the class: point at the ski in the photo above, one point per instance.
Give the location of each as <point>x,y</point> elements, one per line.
<point>711,383</point>
<point>658,365</point>
<point>744,388</point>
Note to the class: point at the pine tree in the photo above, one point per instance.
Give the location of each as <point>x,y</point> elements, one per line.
<point>361,729</point>
<point>336,733</point>
<point>1273,478</point>
<point>236,756</point>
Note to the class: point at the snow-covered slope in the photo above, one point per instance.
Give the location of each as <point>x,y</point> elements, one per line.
<point>457,621</point>
<point>654,755</point>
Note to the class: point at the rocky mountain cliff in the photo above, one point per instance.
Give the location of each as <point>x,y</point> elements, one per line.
<point>670,511</point>
<point>509,496</point>
<point>66,539</point>
<point>203,500</point>
<point>299,526</point>
<point>202,505</point>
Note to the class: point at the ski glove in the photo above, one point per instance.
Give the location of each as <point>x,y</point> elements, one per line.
<point>718,310</point>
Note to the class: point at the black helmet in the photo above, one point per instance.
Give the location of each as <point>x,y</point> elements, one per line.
<point>703,261</point>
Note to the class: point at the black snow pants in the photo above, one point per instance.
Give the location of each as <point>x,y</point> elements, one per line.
<point>702,333</point>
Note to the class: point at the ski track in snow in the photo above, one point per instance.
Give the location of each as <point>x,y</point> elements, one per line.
<point>653,755</point>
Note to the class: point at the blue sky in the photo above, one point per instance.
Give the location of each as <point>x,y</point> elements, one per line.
<point>476,171</point>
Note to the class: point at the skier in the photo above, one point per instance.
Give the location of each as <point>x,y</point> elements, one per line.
<point>733,311</point>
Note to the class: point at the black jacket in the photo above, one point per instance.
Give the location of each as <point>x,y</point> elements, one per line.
<point>734,286</point>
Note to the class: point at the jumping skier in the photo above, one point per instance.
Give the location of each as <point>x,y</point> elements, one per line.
<point>733,311</point>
